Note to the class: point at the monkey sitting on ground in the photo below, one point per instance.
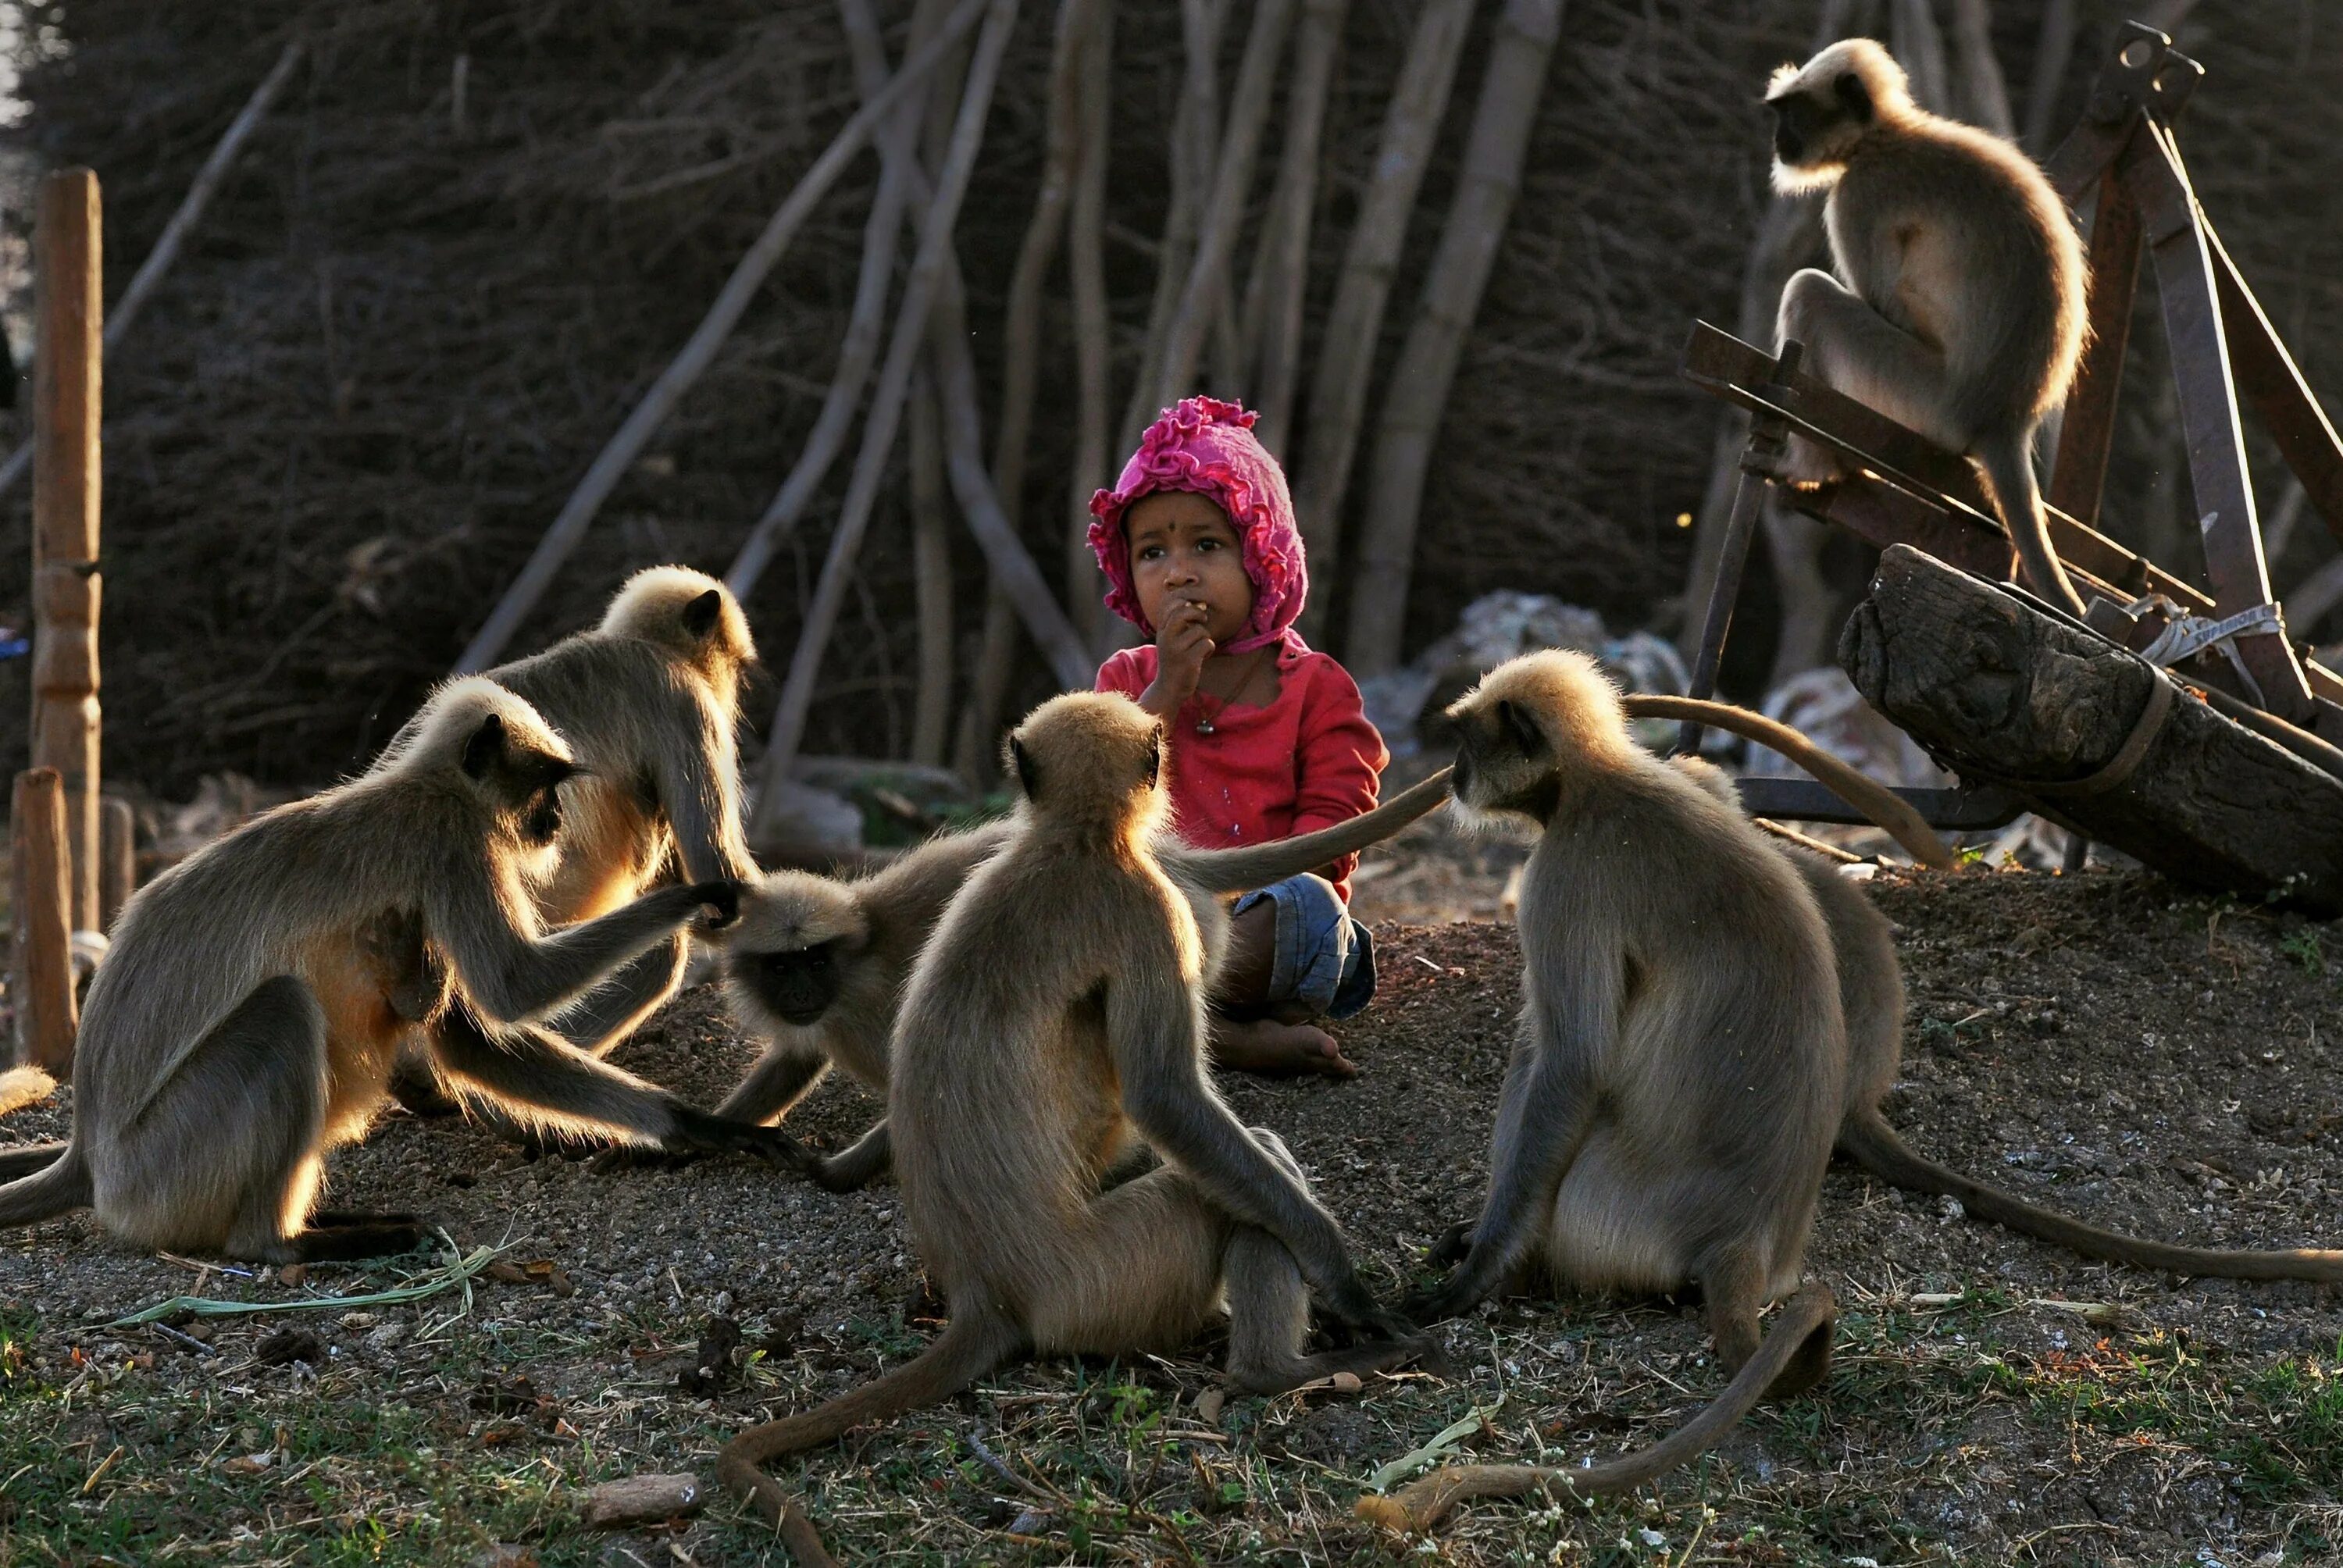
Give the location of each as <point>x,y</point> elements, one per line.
<point>1668,1110</point>
<point>1059,1008</point>
<point>818,965</point>
<point>1958,306</point>
<point>1871,996</point>
<point>650,701</point>
<point>240,1025</point>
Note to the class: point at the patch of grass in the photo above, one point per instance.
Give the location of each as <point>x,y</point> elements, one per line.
<point>2303,946</point>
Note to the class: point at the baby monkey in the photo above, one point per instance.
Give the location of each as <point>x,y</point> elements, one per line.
<point>818,965</point>
<point>1675,1084</point>
<point>1958,305</point>
<point>1057,1012</point>
<point>246,1019</point>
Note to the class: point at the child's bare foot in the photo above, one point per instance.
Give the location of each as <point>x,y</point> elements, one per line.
<point>1280,1049</point>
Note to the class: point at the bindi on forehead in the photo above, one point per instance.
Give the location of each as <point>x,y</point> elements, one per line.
<point>1171,514</point>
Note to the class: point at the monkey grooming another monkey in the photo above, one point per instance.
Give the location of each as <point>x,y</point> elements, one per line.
<point>1958,305</point>
<point>1668,1110</point>
<point>241,1026</point>
<point>650,702</point>
<point>1058,1010</point>
<point>1871,996</point>
<point>818,965</point>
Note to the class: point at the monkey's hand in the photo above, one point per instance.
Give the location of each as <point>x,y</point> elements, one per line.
<point>1454,1245</point>
<point>1452,1297</point>
<point>696,1130</point>
<point>1357,1311</point>
<point>720,902</point>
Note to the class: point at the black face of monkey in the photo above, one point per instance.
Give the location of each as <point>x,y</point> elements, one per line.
<point>797,983</point>
<point>1817,127</point>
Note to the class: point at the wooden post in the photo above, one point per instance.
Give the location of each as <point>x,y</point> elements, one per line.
<point>41,965</point>
<point>117,839</point>
<point>66,402</point>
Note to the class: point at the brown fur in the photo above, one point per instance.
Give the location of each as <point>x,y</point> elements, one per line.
<point>818,965</point>
<point>1056,1013</point>
<point>1871,996</point>
<point>242,1023</point>
<point>1669,1108</point>
<point>1958,305</point>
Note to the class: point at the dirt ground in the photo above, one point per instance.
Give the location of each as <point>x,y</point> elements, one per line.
<point>2142,1057</point>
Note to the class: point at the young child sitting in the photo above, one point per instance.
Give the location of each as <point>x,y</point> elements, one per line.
<point>1267,739</point>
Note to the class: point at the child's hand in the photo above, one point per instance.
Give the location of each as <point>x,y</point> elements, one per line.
<point>1181,646</point>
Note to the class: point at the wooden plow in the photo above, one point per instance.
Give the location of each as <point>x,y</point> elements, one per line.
<point>2177,723</point>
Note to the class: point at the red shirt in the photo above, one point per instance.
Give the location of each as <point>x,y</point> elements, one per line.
<point>1308,760</point>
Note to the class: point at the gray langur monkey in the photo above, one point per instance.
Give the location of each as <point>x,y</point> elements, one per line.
<point>817,965</point>
<point>1674,1087</point>
<point>1871,996</point>
<point>1058,1010</point>
<point>241,1025</point>
<point>1958,305</point>
<point>650,702</point>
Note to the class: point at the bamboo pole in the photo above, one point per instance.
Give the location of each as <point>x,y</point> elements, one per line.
<point>182,222</point>
<point>858,351</point>
<point>68,374</point>
<point>1346,354</point>
<point>886,407</point>
<point>1281,270</point>
<point>1485,189</point>
<point>41,972</point>
<point>117,837</point>
<point>932,578</point>
<point>1206,291</point>
<point>1195,143</point>
<point>689,364</point>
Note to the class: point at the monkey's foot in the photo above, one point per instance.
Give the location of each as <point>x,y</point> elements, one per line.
<point>1277,1050</point>
<point>697,1130</point>
<point>1455,1244</point>
<point>626,1158</point>
<point>419,1094</point>
<point>331,1219</point>
<point>347,1243</point>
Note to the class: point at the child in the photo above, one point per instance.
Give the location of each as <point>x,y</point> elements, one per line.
<point>1267,739</point>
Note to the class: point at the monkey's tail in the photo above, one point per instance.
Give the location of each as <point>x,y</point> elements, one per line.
<point>1421,1505</point>
<point>2008,467</point>
<point>1887,811</point>
<point>970,1345</point>
<point>1258,865</point>
<point>57,1183</point>
<point>22,1086</point>
<point>1867,1139</point>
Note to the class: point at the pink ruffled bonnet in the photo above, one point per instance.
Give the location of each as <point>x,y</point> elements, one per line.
<point>1207,447</point>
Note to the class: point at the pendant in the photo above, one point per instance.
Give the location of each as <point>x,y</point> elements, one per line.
<point>1203,727</point>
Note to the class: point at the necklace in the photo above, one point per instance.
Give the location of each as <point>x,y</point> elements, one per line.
<point>1204,725</point>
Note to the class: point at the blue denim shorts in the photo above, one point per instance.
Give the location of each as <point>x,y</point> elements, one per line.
<point>1326,961</point>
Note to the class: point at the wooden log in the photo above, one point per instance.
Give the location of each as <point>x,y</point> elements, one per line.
<point>40,967</point>
<point>117,837</point>
<point>2001,692</point>
<point>69,367</point>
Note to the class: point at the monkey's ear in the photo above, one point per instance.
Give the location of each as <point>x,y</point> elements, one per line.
<point>1029,778</point>
<point>1521,726</point>
<point>1854,97</point>
<point>700,616</point>
<point>487,744</point>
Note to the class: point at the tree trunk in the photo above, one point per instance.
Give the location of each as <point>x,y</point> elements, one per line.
<point>1281,269</point>
<point>2053,50</point>
<point>1093,334</point>
<point>1490,179</point>
<point>1919,48</point>
<point>1346,353</point>
<point>932,578</point>
<point>1195,143</point>
<point>1984,94</point>
<point>887,402</point>
<point>1206,293</point>
<point>2000,690</point>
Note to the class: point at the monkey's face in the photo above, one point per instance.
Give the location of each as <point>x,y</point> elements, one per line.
<point>1817,127</point>
<point>796,985</point>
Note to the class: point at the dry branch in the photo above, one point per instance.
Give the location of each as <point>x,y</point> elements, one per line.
<point>700,352</point>
<point>1984,94</point>
<point>2051,52</point>
<point>1346,358</point>
<point>1195,143</point>
<point>1206,292</point>
<point>1281,270</point>
<point>932,578</point>
<point>887,400</point>
<point>1919,48</point>
<point>168,244</point>
<point>41,970</point>
<point>1485,188</point>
